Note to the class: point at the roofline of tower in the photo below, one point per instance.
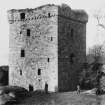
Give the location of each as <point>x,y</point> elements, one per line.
<point>29,9</point>
<point>77,14</point>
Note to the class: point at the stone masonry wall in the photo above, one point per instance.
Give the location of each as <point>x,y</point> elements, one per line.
<point>53,52</point>
<point>71,47</point>
<point>40,48</point>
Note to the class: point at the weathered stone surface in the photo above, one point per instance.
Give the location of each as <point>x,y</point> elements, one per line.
<point>47,48</point>
<point>71,40</point>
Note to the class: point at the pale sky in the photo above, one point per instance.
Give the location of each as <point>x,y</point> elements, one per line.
<point>88,5</point>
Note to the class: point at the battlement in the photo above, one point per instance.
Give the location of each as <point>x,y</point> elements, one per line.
<point>47,11</point>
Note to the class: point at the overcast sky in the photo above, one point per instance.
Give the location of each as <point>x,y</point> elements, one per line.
<point>88,5</point>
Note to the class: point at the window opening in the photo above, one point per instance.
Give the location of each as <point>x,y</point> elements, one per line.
<point>22,16</point>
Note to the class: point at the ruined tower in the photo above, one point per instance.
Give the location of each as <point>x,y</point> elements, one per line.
<point>47,46</point>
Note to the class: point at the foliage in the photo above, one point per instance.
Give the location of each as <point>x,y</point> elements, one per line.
<point>91,72</point>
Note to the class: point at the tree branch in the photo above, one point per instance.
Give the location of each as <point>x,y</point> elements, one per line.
<point>99,23</point>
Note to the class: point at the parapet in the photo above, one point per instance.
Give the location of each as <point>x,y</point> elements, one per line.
<point>79,15</point>
<point>42,12</point>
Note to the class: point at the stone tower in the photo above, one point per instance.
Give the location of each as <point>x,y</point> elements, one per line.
<point>47,47</point>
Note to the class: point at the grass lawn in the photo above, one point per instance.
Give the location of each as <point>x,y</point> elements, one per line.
<point>66,98</point>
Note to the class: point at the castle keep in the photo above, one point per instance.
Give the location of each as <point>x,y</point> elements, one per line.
<point>47,46</point>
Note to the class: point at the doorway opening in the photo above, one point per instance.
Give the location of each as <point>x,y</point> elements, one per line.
<point>46,87</point>
<point>31,88</point>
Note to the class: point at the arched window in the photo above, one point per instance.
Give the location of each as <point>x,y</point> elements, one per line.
<point>22,16</point>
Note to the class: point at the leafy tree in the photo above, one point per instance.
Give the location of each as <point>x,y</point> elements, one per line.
<point>91,74</point>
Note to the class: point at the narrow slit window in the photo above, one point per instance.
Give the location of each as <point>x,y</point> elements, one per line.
<point>39,71</point>
<point>51,38</point>
<point>22,16</point>
<point>72,58</point>
<point>69,27</point>
<point>22,53</point>
<point>28,32</point>
<point>49,15</point>
<point>72,33</point>
<point>20,72</point>
<point>48,59</point>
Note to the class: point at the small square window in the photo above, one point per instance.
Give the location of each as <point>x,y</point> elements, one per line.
<point>22,53</point>
<point>20,32</point>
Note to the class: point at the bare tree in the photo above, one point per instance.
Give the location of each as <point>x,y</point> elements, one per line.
<point>100,17</point>
<point>99,54</point>
<point>96,52</point>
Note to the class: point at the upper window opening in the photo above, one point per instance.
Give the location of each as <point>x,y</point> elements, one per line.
<point>22,15</point>
<point>39,71</point>
<point>49,14</point>
<point>22,53</point>
<point>72,58</point>
<point>72,33</point>
<point>48,59</point>
<point>20,72</point>
<point>28,32</point>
